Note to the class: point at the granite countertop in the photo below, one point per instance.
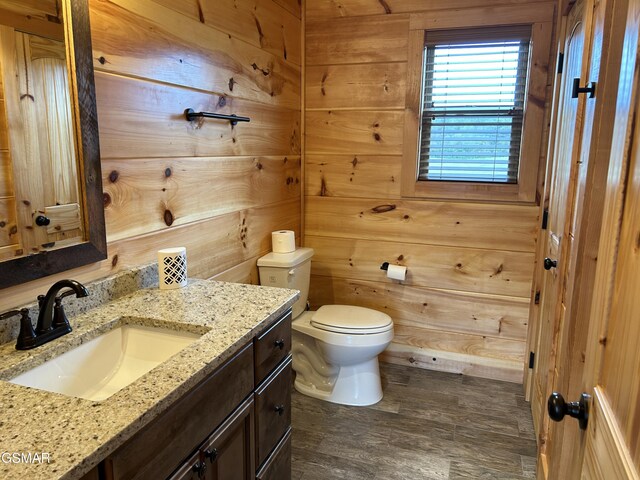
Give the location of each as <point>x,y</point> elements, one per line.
<point>76,433</point>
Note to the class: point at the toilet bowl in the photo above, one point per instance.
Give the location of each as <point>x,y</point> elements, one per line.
<point>335,349</point>
<point>339,363</point>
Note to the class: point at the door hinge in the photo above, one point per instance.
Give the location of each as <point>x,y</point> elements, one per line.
<point>545,218</point>
<point>532,357</point>
<point>560,62</point>
<point>536,298</point>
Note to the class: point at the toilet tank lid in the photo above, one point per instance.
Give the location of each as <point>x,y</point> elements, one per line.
<point>286,260</point>
<point>349,316</point>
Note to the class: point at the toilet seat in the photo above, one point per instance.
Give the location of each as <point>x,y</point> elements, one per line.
<point>351,320</point>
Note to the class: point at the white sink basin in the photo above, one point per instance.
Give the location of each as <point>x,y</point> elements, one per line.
<point>102,366</point>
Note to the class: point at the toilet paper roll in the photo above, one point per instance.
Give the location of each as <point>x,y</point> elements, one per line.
<point>172,268</point>
<point>397,272</point>
<point>283,241</point>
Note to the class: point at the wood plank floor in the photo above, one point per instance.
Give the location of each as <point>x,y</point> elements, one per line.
<point>429,425</point>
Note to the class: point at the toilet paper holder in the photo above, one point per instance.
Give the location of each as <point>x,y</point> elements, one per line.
<point>395,272</point>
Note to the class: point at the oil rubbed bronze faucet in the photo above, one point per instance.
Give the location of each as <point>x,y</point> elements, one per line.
<point>52,321</point>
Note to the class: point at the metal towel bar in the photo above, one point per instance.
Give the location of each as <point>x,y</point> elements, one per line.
<point>190,114</point>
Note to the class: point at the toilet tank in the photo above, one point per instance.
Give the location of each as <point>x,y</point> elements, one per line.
<point>288,270</point>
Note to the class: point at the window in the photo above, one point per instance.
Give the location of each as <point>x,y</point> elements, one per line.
<point>473,105</point>
<point>475,109</point>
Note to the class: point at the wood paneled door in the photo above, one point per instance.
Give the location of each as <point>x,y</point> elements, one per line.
<point>560,241</point>
<point>612,358</point>
<point>611,447</point>
<point>588,323</point>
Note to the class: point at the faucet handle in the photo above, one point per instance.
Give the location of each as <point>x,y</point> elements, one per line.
<point>59,317</point>
<point>27,336</point>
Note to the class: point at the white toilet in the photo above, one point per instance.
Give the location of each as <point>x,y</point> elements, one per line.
<point>335,349</point>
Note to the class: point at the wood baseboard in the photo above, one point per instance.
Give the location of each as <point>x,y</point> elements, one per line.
<point>474,366</point>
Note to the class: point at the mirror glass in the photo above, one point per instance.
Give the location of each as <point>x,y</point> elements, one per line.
<point>51,215</point>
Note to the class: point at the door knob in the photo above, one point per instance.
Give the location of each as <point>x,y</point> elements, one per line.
<point>42,221</point>
<point>549,263</point>
<point>558,408</point>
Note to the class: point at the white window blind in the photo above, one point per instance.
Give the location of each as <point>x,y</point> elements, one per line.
<point>473,104</point>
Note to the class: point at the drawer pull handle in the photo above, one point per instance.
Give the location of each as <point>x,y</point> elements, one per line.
<point>211,454</point>
<point>200,468</point>
<point>279,409</point>
<point>279,343</point>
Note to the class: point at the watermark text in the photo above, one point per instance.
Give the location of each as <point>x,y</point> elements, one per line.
<point>25,457</point>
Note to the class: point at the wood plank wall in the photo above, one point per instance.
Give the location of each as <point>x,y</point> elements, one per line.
<point>216,189</point>
<point>464,306</point>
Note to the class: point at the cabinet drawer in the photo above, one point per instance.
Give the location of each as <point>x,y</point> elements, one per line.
<point>278,465</point>
<point>162,445</point>
<point>273,410</point>
<point>272,346</point>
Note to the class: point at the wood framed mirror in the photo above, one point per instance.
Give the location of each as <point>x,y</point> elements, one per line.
<point>76,236</point>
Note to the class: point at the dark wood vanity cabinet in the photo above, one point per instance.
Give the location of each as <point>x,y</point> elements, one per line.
<point>235,425</point>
